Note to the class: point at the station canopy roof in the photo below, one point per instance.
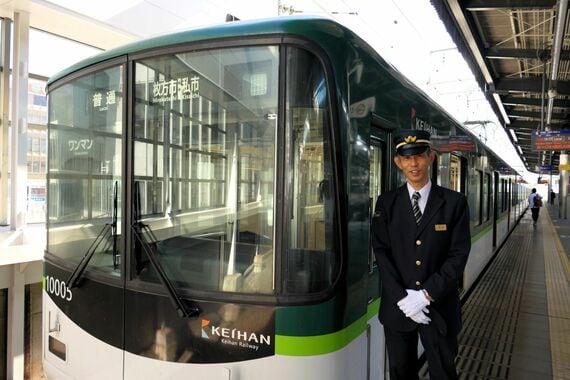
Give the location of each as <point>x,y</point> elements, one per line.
<point>519,52</point>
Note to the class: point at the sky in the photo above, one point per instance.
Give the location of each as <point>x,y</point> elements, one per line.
<point>408,34</point>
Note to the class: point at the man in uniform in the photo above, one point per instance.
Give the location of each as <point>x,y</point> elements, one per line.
<point>421,240</point>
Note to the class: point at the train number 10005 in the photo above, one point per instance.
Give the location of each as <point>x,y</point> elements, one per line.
<point>58,288</point>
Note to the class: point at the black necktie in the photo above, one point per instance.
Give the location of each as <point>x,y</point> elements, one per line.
<point>416,207</point>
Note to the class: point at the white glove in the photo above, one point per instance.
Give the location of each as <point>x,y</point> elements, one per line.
<point>421,317</point>
<point>414,302</point>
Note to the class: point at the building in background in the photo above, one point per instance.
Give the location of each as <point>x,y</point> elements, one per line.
<point>37,152</point>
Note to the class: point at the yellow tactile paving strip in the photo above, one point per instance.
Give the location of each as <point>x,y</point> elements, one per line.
<point>557,270</point>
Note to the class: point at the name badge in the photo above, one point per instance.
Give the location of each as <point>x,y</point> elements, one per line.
<point>441,227</point>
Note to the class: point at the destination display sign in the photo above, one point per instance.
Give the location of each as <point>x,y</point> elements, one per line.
<point>551,140</point>
<point>176,89</point>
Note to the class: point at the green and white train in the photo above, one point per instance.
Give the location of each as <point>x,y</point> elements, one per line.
<point>209,204</point>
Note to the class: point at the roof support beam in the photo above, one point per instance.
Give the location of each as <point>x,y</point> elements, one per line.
<point>483,5</point>
<point>533,125</point>
<point>518,85</point>
<point>514,100</point>
<point>540,54</point>
<point>528,85</point>
<point>522,134</point>
<point>534,115</point>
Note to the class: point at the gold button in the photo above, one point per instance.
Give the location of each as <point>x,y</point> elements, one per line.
<point>418,263</point>
<point>418,242</point>
<point>418,283</point>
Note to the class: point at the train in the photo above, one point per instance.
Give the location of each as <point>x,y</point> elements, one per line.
<point>209,202</point>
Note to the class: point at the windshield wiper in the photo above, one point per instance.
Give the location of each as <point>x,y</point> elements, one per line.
<point>73,280</point>
<point>114,227</point>
<point>138,228</point>
<point>80,268</point>
<point>182,307</point>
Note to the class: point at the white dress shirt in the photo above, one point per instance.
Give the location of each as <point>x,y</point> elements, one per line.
<point>424,194</point>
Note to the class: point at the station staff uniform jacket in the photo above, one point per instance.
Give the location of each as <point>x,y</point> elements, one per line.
<point>431,255</point>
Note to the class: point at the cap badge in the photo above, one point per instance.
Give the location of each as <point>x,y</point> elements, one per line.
<point>410,139</point>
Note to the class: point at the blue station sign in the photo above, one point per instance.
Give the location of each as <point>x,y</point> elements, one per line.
<point>550,140</point>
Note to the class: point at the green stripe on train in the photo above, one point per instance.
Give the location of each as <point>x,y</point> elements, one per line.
<point>324,344</point>
<point>485,230</point>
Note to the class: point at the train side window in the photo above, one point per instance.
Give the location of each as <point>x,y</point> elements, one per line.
<point>506,196</point>
<point>377,177</point>
<point>85,170</point>
<point>309,229</point>
<point>376,171</point>
<point>509,194</point>
<point>455,173</point>
<point>499,192</point>
<point>503,195</point>
<point>435,172</point>
<point>474,197</point>
<point>486,198</point>
<point>515,195</point>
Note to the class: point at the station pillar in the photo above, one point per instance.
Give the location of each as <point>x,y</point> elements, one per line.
<point>5,121</point>
<point>563,185</point>
<point>19,165</point>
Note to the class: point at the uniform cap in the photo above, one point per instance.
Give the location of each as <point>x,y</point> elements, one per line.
<point>411,142</point>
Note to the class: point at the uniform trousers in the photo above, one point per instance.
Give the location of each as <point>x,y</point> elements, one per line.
<point>440,351</point>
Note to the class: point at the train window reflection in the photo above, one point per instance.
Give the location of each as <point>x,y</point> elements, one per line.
<point>311,258</point>
<point>375,170</point>
<point>455,173</point>
<point>204,159</point>
<point>474,198</point>
<point>486,197</point>
<point>376,161</point>
<point>85,167</point>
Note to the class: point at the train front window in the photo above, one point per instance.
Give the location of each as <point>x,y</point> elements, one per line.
<point>85,168</point>
<point>204,168</point>
<point>309,186</point>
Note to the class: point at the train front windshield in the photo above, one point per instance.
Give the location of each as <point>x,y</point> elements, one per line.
<point>224,168</point>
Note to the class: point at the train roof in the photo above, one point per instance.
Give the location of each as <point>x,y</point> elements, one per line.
<point>300,25</point>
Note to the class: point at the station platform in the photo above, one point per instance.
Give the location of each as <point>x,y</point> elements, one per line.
<point>516,321</point>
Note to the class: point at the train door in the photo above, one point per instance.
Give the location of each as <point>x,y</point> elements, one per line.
<point>379,175</point>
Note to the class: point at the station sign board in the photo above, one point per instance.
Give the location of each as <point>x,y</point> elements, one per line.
<point>453,143</point>
<point>550,140</point>
<point>504,169</point>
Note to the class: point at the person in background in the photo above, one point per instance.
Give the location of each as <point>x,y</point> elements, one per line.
<point>535,203</point>
<point>421,240</point>
<point>552,196</point>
